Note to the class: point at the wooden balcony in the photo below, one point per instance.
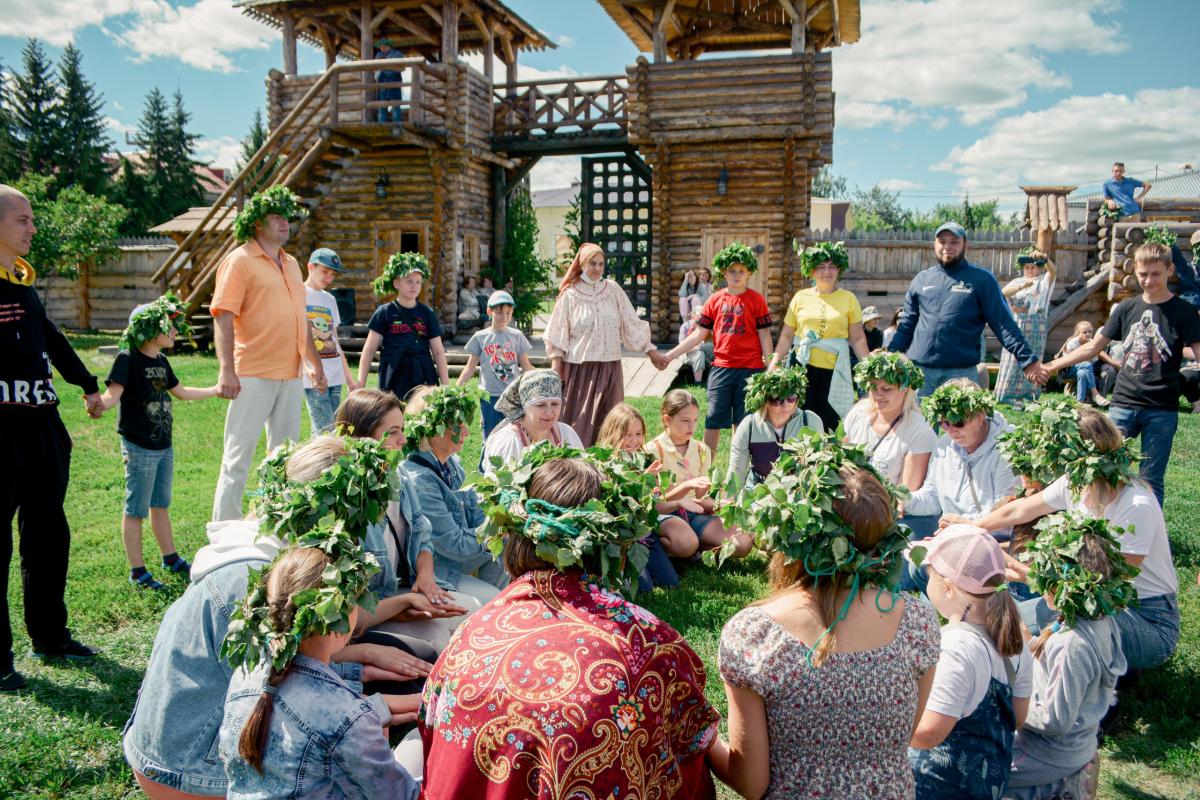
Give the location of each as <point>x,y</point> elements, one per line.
<point>536,114</point>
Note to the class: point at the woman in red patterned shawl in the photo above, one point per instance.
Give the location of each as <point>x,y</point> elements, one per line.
<point>559,688</point>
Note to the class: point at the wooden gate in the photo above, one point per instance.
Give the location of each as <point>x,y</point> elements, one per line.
<point>615,213</point>
<point>758,240</point>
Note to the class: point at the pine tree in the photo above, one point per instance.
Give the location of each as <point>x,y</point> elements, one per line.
<point>10,147</point>
<point>185,188</point>
<point>84,139</point>
<point>254,139</point>
<point>154,139</point>
<point>529,273</point>
<point>35,104</point>
<point>131,191</point>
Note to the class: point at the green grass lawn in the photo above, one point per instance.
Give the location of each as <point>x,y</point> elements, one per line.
<point>61,737</point>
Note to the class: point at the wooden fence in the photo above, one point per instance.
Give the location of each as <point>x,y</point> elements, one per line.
<point>103,296</point>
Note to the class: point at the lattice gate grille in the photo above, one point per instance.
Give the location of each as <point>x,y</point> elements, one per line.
<point>616,214</point>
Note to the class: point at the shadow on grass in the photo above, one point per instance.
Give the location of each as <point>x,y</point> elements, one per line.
<point>1131,792</point>
<point>110,705</point>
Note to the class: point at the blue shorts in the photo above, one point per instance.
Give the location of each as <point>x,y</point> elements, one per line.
<point>148,476</point>
<point>727,396</point>
<point>698,522</point>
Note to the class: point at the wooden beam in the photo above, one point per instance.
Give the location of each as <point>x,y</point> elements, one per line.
<point>433,13</point>
<point>799,29</point>
<point>837,25</point>
<point>381,17</point>
<point>514,180</point>
<point>499,223</point>
<point>1074,300</point>
<point>489,56</point>
<point>660,36</point>
<point>417,30</point>
<point>366,49</point>
<point>790,11</point>
<point>450,13</point>
<point>289,45</point>
<point>817,8</point>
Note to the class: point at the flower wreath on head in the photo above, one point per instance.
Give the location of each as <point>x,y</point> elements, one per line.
<point>604,533</point>
<point>332,514</point>
<point>894,369</point>
<point>1159,234</point>
<point>447,408</point>
<point>1054,567</point>
<point>791,512</point>
<point>398,266</point>
<point>156,319</point>
<point>776,384</point>
<point>276,200</point>
<point>817,254</point>
<point>736,253</point>
<point>957,404</point>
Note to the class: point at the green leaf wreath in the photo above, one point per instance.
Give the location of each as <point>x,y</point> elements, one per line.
<point>776,384</point>
<point>332,514</point>
<point>791,512</point>
<point>894,369</point>
<point>1110,214</point>
<point>276,200</point>
<point>817,254</point>
<point>447,408</point>
<point>156,319</point>
<point>1159,234</point>
<point>603,534</point>
<point>957,404</point>
<point>736,253</point>
<point>1054,567</point>
<point>399,265</point>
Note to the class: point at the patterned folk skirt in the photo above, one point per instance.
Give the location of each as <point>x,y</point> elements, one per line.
<point>590,391</point>
<point>1011,384</point>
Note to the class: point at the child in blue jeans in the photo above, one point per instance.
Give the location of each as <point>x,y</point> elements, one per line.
<point>324,266</point>
<point>142,381</point>
<point>501,352</point>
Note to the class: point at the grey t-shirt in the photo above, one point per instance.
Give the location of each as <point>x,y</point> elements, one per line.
<point>499,354</point>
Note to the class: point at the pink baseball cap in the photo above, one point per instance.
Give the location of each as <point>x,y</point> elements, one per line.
<point>966,556</point>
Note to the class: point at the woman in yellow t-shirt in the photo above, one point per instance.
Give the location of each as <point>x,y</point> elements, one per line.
<point>829,323</point>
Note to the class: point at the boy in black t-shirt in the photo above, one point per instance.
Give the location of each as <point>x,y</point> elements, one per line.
<point>142,381</point>
<point>1153,330</point>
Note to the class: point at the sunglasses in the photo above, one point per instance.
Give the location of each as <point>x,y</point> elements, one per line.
<point>778,401</point>
<point>956,425</point>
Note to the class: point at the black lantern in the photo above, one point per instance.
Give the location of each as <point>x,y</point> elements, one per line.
<point>381,184</point>
<point>723,181</point>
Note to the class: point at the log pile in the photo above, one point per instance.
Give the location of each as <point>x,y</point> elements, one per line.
<point>1116,244</point>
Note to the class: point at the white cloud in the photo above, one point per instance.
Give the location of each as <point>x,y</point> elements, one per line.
<point>121,129</point>
<point>857,114</point>
<point>1076,140</point>
<point>524,71</point>
<point>56,21</point>
<point>202,35</point>
<point>117,106</point>
<point>899,185</point>
<point>555,172</point>
<point>976,57</point>
<point>222,152</point>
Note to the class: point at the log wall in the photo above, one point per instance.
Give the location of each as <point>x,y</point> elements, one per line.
<point>103,296</point>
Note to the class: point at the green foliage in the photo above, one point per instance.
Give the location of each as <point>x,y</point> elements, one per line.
<point>776,384</point>
<point>877,209</point>
<point>817,254</point>
<point>254,139</point>
<point>828,185</point>
<point>530,274</point>
<point>573,228</point>
<point>83,138</point>
<point>1110,214</point>
<point>398,266</point>
<point>75,229</point>
<point>735,253</point>
<point>603,534</point>
<point>10,147</point>
<point>35,111</point>
<point>276,200</point>
<point>984,215</point>
<point>168,157</point>
<point>791,512</point>
<point>1054,567</point>
<point>156,319</point>
<point>447,408</point>
<point>331,513</point>
<point>1160,234</point>
<point>891,368</point>
<point>957,404</point>
<point>131,191</point>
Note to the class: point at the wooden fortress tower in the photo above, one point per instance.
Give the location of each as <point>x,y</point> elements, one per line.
<point>681,154</point>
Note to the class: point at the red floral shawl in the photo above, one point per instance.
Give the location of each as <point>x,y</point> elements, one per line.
<point>558,689</point>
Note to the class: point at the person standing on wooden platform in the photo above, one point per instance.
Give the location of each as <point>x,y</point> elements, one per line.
<point>1118,193</point>
<point>591,321</point>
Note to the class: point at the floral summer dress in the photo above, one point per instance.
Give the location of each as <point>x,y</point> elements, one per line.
<point>558,689</point>
<point>842,729</point>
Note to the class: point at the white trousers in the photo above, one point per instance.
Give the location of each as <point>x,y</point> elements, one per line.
<point>275,404</point>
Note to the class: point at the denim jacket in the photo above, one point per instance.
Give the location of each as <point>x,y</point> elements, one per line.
<point>418,539</point>
<point>454,514</point>
<point>324,739</point>
<point>171,737</point>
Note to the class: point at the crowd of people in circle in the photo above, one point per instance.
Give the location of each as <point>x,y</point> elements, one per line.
<point>370,584</point>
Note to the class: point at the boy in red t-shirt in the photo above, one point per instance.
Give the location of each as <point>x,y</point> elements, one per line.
<point>740,323</point>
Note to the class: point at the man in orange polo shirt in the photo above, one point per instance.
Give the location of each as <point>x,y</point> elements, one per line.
<point>261,331</point>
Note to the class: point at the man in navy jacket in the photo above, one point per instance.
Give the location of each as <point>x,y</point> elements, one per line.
<point>945,310</point>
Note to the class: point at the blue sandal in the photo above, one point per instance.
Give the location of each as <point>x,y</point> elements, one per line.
<point>145,581</point>
<point>180,565</point>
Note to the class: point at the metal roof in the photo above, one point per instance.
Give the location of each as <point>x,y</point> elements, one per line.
<point>1181,184</point>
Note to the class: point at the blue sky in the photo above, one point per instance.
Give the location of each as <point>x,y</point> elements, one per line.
<point>940,97</point>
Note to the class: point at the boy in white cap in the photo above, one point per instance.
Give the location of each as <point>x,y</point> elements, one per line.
<point>142,381</point>
<point>324,266</point>
<point>501,352</point>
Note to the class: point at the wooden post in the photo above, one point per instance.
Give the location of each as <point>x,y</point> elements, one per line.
<point>289,45</point>
<point>798,26</point>
<point>416,113</point>
<point>499,224</point>
<point>660,36</point>
<point>366,51</point>
<point>450,12</point>
<point>489,54</point>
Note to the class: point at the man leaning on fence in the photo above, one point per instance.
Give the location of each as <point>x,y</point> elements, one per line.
<point>945,310</point>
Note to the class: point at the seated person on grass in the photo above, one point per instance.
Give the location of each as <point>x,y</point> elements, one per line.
<point>773,400</point>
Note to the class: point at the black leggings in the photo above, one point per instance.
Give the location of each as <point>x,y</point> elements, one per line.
<point>816,399</point>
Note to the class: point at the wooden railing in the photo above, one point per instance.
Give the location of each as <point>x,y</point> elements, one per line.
<point>285,158</point>
<point>557,106</point>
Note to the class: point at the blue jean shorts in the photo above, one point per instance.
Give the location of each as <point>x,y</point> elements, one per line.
<point>727,396</point>
<point>148,476</point>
